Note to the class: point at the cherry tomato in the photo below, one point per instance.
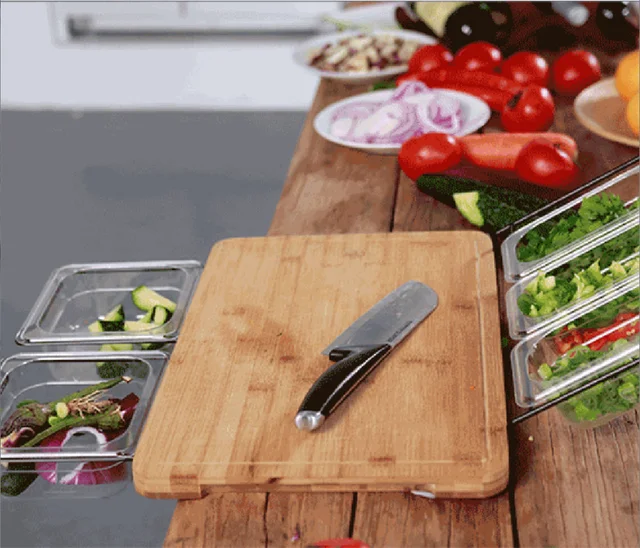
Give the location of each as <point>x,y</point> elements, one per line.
<point>430,57</point>
<point>574,71</point>
<point>526,67</point>
<point>529,111</point>
<point>429,153</point>
<point>481,56</point>
<point>542,163</point>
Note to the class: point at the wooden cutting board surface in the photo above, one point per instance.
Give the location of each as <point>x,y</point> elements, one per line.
<point>431,417</point>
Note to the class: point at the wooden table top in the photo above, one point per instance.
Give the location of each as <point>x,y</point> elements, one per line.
<point>569,487</point>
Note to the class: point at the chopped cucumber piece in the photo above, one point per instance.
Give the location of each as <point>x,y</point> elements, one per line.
<point>545,371</point>
<point>160,315</point>
<point>467,204</point>
<point>121,347</point>
<point>112,321</point>
<point>115,315</point>
<point>147,317</point>
<point>145,299</point>
<point>137,326</point>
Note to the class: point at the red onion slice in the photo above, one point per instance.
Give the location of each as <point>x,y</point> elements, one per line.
<point>413,109</point>
<point>82,473</point>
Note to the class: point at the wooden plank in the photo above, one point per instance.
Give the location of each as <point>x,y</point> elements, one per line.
<point>307,518</point>
<point>405,520</point>
<point>319,515</point>
<point>257,520</point>
<point>396,519</point>
<point>247,334</point>
<point>577,487</point>
<point>331,188</point>
<point>219,521</point>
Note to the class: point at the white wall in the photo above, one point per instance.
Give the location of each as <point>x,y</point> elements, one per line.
<point>37,72</point>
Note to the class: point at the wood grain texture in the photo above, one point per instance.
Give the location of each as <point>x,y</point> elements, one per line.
<point>402,520</point>
<point>590,477</point>
<point>393,519</point>
<point>253,520</point>
<point>219,521</point>
<point>333,189</point>
<point>263,308</point>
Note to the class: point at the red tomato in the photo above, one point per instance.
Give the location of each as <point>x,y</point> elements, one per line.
<point>574,71</point>
<point>542,163</point>
<point>526,67</point>
<point>529,111</point>
<point>429,153</point>
<point>481,56</point>
<point>563,345</point>
<point>626,327</point>
<point>430,57</point>
<point>596,338</point>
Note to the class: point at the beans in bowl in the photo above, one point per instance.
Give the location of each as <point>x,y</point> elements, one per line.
<point>363,53</point>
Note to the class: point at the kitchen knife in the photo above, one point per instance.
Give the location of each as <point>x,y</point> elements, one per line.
<point>362,347</point>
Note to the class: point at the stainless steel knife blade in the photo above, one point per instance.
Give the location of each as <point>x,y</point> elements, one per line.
<point>364,345</point>
<point>391,319</point>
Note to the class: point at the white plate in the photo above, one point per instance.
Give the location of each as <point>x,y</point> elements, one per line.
<point>476,113</point>
<point>301,53</point>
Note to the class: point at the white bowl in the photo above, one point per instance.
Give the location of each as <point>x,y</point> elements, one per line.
<point>301,53</point>
<point>476,113</point>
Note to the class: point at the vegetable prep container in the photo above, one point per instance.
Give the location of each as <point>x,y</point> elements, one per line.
<point>579,270</point>
<point>617,183</point>
<point>590,342</point>
<point>75,296</point>
<point>106,467</point>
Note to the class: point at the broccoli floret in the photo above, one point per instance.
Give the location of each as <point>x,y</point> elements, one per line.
<point>109,370</point>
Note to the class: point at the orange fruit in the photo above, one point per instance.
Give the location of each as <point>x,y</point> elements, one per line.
<point>633,113</point>
<point>628,75</point>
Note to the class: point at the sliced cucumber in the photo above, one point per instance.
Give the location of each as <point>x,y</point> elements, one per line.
<point>115,315</point>
<point>160,315</point>
<point>467,204</point>
<point>138,325</point>
<point>147,317</point>
<point>112,321</point>
<point>145,299</point>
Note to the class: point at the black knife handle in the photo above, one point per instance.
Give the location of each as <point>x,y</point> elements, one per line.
<point>336,383</point>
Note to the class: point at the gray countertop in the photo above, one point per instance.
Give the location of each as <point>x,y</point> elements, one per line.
<point>98,187</point>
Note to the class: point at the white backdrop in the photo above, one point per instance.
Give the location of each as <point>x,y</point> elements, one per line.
<point>37,71</point>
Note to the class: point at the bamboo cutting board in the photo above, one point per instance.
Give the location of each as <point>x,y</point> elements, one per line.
<point>431,417</point>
